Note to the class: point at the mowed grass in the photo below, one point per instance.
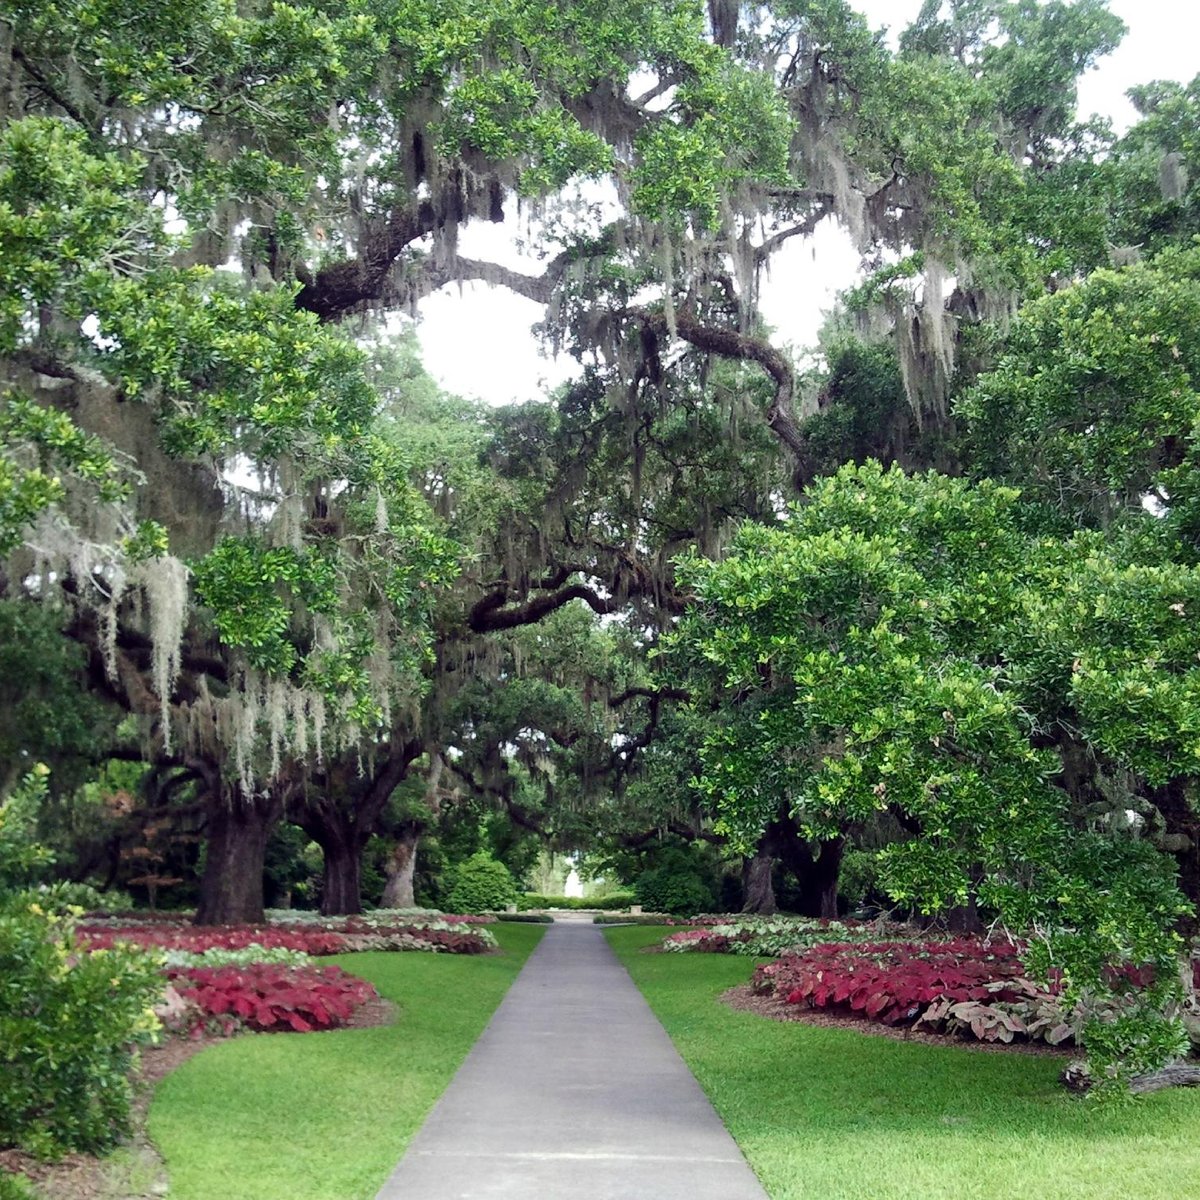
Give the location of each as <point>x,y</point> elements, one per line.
<point>326,1116</point>
<point>828,1114</point>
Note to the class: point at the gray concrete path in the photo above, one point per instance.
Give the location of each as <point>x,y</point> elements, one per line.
<point>573,1091</point>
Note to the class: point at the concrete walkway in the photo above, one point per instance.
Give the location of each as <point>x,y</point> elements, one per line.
<point>573,1091</point>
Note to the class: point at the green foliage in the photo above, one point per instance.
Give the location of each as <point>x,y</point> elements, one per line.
<point>858,879</point>
<point>864,410</point>
<point>68,1020</point>
<point>729,127</point>
<point>858,655</point>
<point>46,715</point>
<point>480,884</point>
<point>67,1025</point>
<point>13,1187</point>
<point>634,919</point>
<point>40,446</point>
<point>676,885</point>
<point>1094,402</point>
<point>22,858</point>
<point>612,902</point>
<point>252,588</point>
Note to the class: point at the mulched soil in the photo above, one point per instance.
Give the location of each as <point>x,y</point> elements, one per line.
<point>742,999</point>
<point>85,1177</point>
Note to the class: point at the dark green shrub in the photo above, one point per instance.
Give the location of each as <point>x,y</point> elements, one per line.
<point>633,919</point>
<point>675,886</point>
<point>529,917</point>
<point>68,1024</point>
<point>480,884</point>
<point>858,880</point>
<point>613,902</point>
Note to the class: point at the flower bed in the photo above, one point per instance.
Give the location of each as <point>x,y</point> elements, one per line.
<point>261,996</point>
<point>969,985</point>
<point>331,936</point>
<point>769,937</point>
<point>196,940</point>
<point>380,916</point>
<point>221,979</point>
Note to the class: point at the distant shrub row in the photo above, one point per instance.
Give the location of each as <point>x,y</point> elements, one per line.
<point>611,903</point>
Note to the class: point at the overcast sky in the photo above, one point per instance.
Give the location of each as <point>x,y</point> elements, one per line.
<point>477,341</point>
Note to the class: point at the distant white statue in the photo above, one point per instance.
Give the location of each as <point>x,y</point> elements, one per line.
<point>574,885</point>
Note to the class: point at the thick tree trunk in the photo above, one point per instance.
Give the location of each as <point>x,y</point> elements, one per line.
<point>816,871</point>
<point>823,879</point>
<point>341,876</point>
<point>1182,821</point>
<point>340,813</point>
<point>237,831</point>
<point>757,886</point>
<point>964,918</point>
<point>402,863</point>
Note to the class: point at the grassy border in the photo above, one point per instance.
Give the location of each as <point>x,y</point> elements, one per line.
<point>839,1115</point>
<point>327,1116</point>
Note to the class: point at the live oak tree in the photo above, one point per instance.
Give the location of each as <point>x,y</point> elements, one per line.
<point>241,621</point>
<point>912,645</point>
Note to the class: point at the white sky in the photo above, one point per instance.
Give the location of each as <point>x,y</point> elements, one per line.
<point>477,342</point>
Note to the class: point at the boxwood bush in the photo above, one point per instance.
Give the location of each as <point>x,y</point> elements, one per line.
<point>480,884</point>
<point>13,1187</point>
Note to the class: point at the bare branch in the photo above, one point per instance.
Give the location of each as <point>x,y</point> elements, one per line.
<point>490,615</point>
<point>729,343</point>
<point>803,229</point>
<point>666,693</point>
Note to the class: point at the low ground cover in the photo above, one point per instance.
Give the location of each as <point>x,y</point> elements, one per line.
<point>223,980</point>
<point>844,1116</point>
<point>769,937</point>
<point>326,1118</point>
<point>261,996</point>
<point>970,986</point>
<point>315,936</point>
<point>637,919</point>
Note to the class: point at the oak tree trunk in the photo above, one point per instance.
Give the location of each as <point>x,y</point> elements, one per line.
<point>402,863</point>
<point>1182,822</point>
<point>237,831</point>
<point>341,875</point>
<point>758,889</point>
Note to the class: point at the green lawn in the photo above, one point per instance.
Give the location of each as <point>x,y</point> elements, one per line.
<point>829,1114</point>
<point>326,1116</point>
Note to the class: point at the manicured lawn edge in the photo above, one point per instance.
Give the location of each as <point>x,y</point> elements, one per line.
<point>326,1116</point>
<point>838,1115</point>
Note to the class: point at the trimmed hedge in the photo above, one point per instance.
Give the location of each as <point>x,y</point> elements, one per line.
<point>637,919</point>
<point>530,918</point>
<point>613,902</point>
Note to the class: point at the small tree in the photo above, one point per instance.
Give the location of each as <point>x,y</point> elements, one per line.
<point>481,884</point>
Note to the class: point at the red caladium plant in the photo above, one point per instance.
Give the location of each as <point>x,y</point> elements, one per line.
<point>268,997</point>
<point>968,984</point>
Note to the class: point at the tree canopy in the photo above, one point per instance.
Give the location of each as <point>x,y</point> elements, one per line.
<point>930,591</point>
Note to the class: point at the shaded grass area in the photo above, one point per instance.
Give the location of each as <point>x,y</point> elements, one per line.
<point>326,1116</point>
<point>831,1114</point>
